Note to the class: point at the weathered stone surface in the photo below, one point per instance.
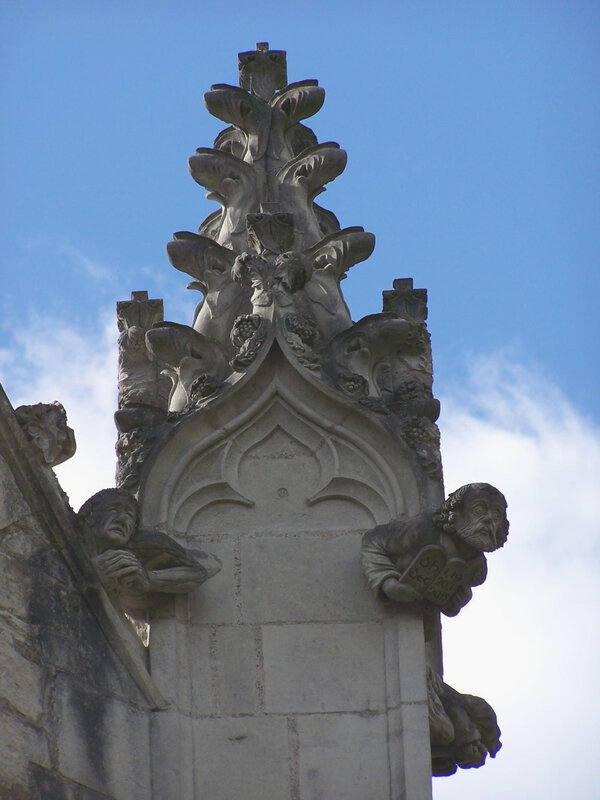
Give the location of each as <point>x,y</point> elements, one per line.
<point>236,669</point>
<point>241,757</point>
<point>180,662</point>
<point>218,601</point>
<point>103,742</point>
<point>21,742</point>
<point>45,427</point>
<point>341,755</point>
<point>315,578</point>
<point>318,667</point>
<point>12,505</point>
<point>21,679</point>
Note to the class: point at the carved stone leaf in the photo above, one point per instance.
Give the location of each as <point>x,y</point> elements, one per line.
<point>225,176</point>
<point>299,101</point>
<point>171,343</point>
<point>247,112</point>
<point>342,250</point>
<point>314,167</point>
<point>195,255</point>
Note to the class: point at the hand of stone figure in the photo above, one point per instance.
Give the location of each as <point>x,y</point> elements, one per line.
<point>399,592</point>
<point>121,569</point>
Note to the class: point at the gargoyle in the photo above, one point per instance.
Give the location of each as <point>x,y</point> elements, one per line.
<point>463,728</point>
<point>134,563</point>
<point>45,426</point>
<point>437,557</point>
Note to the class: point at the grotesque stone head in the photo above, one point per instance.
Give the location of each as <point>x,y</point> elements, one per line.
<point>45,425</point>
<point>476,514</point>
<point>112,517</point>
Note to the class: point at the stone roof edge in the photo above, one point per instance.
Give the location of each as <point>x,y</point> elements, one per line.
<point>49,504</point>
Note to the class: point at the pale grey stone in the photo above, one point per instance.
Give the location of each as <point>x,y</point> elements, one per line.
<point>20,743</point>
<point>173,756</point>
<point>180,665</point>
<point>343,755</point>
<point>236,665</point>
<point>20,679</point>
<point>409,751</point>
<point>12,505</point>
<point>241,757</point>
<point>103,742</point>
<point>316,578</point>
<point>319,667</point>
<point>404,658</point>
<point>15,586</point>
<point>218,601</point>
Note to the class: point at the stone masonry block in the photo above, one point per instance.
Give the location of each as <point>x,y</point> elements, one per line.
<point>215,600</point>
<point>323,667</point>
<point>343,755</point>
<point>21,680</point>
<point>12,505</point>
<point>20,743</point>
<point>103,742</point>
<point>235,669</point>
<point>315,578</point>
<point>180,664</point>
<point>239,757</point>
<point>409,748</point>
<point>172,756</point>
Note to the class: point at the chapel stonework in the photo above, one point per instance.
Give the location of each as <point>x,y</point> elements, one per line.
<point>254,610</point>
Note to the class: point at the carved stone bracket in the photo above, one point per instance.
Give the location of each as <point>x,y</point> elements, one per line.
<point>435,559</point>
<point>134,564</point>
<point>45,426</point>
<point>463,728</point>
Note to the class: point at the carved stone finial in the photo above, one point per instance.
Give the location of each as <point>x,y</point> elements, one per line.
<point>437,558</point>
<point>263,71</point>
<point>45,425</point>
<point>406,302</point>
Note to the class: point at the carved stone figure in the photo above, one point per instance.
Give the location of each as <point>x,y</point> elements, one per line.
<point>45,425</point>
<point>437,557</point>
<point>134,563</point>
<point>463,728</point>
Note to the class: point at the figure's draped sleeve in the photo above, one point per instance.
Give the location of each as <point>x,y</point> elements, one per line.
<point>376,562</point>
<point>388,549</point>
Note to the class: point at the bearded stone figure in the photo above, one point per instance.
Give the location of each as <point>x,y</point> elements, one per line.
<point>437,557</point>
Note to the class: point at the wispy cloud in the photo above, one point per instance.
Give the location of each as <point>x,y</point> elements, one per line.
<point>94,269</point>
<point>527,641</point>
<point>46,361</point>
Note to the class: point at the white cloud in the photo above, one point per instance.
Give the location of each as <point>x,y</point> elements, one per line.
<point>94,269</point>
<point>49,360</point>
<point>528,640</point>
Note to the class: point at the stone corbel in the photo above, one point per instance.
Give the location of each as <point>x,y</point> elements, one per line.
<point>133,564</point>
<point>436,558</point>
<point>45,427</point>
<point>463,728</point>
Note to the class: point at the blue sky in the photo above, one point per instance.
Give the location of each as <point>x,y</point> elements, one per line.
<point>472,130</point>
<point>473,133</point>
